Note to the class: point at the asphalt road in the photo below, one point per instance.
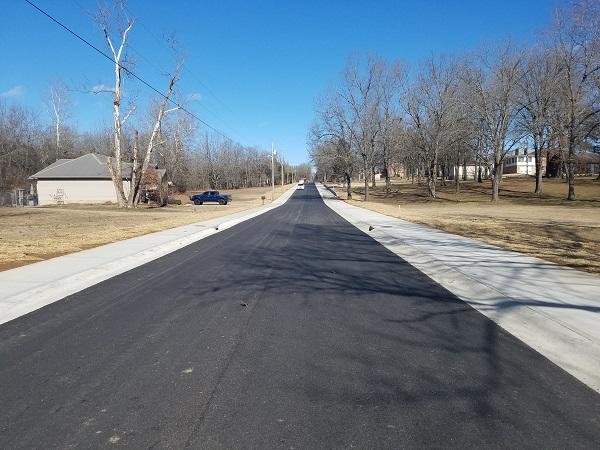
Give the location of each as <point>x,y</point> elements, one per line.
<point>341,344</point>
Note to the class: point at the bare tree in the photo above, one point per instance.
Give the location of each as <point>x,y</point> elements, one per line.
<point>575,39</point>
<point>493,84</point>
<point>141,162</point>
<point>537,97</point>
<point>116,21</point>
<point>20,138</point>
<point>361,97</point>
<point>178,133</point>
<point>389,119</point>
<point>58,103</point>
<point>331,140</point>
<point>432,107</point>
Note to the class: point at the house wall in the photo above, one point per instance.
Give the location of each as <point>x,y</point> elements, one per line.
<point>520,164</point>
<point>471,172</point>
<point>77,191</point>
<point>587,168</point>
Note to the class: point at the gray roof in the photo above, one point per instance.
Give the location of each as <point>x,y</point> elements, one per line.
<point>57,163</point>
<point>89,166</point>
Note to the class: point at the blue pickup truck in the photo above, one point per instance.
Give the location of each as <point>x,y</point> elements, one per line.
<point>211,197</point>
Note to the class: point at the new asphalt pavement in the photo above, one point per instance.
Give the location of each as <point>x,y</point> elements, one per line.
<point>290,330</point>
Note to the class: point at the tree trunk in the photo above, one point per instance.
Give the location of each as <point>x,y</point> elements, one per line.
<point>134,181</point>
<point>348,185</point>
<point>116,171</point>
<point>464,174</point>
<point>366,178</point>
<point>457,178</point>
<point>538,171</point>
<point>495,190</point>
<point>444,174</point>
<point>57,134</point>
<point>387,178</point>
<point>496,179</point>
<point>571,176</point>
<point>431,176</point>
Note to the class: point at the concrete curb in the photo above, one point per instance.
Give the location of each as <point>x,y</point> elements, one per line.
<point>27,300</point>
<point>572,345</point>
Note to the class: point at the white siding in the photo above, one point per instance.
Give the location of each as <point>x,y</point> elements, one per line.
<point>471,172</point>
<point>77,191</point>
<point>520,165</point>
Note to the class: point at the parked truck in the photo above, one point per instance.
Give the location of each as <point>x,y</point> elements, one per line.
<point>211,197</point>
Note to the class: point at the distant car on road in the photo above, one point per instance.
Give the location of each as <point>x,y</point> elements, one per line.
<point>211,197</point>
<point>300,184</point>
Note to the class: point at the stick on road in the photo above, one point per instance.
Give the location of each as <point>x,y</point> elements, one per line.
<point>340,343</point>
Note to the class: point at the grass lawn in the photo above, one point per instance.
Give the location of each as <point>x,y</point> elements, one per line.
<point>547,226</point>
<point>36,233</point>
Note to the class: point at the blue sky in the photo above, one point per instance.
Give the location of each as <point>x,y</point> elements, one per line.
<point>253,70</point>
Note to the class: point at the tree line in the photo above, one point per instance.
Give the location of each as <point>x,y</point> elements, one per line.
<point>195,159</point>
<point>475,108</point>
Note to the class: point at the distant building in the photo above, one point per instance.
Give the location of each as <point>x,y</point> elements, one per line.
<point>81,180</point>
<point>518,164</point>
<point>471,170</point>
<point>587,163</point>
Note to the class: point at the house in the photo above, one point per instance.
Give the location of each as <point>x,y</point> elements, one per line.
<point>81,180</point>
<point>471,170</point>
<point>518,164</point>
<point>587,163</point>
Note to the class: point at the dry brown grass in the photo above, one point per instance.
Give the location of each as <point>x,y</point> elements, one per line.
<point>33,234</point>
<point>546,226</point>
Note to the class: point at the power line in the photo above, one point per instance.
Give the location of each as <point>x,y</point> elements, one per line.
<point>183,70</point>
<point>145,83</point>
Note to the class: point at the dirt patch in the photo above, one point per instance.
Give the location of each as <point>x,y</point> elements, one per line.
<point>546,226</point>
<point>34,234</point>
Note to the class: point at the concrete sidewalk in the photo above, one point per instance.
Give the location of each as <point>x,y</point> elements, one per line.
<point>27,288</point>
<point>553,309</point>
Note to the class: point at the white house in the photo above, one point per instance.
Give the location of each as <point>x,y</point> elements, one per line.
<point>471,171</point>
<point>81,180</point>
<point>519,164</point>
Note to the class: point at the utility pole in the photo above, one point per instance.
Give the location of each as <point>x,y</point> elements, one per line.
<point>273,171</point>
